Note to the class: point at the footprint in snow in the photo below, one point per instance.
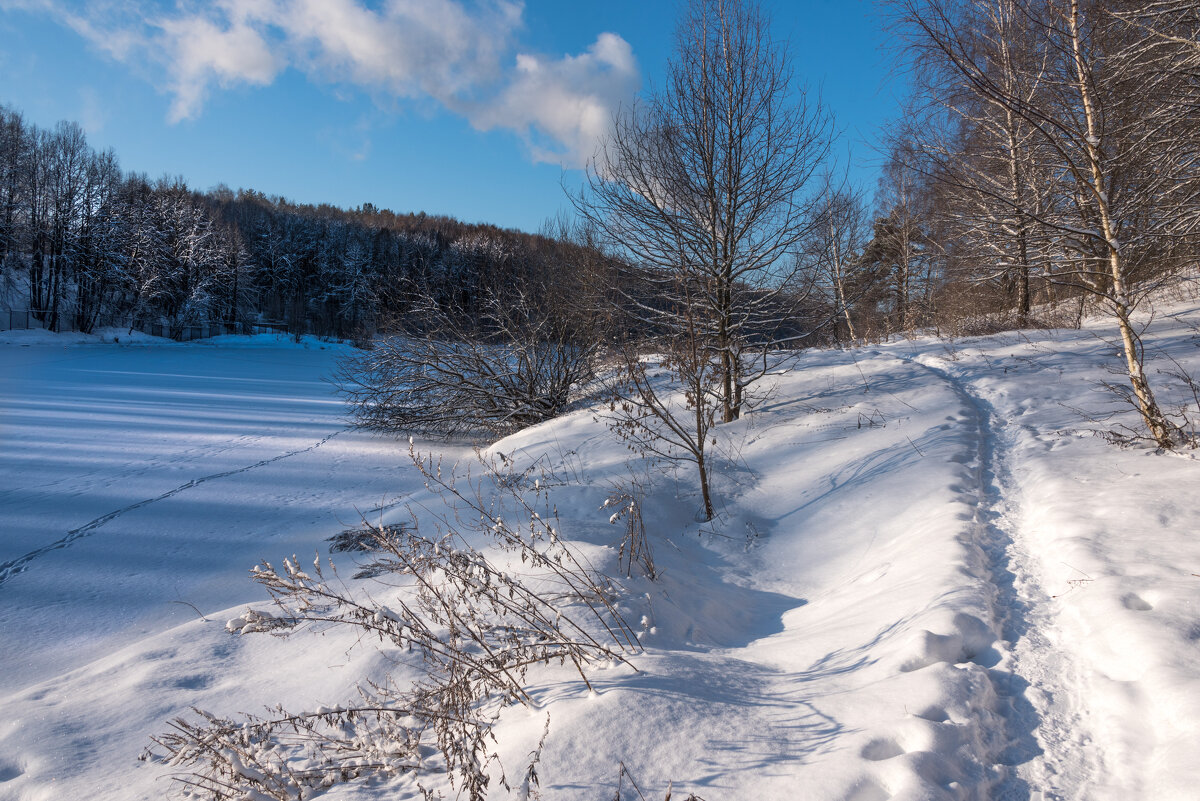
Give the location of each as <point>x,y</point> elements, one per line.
<point>1135,602</point>
<point>881,749</point>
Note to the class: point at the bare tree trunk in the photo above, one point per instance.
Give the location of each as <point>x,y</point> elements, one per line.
<point>1016,186</point>
<point>839,280</point>
<point>1161,430</point>
<point>702,470</point>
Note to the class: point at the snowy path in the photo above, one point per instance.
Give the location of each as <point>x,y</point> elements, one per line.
<point>1048,739</point>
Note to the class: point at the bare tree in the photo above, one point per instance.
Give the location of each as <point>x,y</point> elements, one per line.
<point>1112,120</point>
<point>834,248</point>
<point>15,146</point>
<point>983,155</point>
<point>901,254</point>
<point>707,179</point>
<point>671,420</point>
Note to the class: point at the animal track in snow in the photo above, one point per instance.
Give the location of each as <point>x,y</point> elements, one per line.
<point>970,641</point>
<point>21,563</point>
<point>934,714</point>
<point>881,749</point>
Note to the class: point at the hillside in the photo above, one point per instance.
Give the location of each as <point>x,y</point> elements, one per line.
<point>931,575</point>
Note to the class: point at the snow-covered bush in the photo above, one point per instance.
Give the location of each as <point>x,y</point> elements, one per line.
<point>513,367</point>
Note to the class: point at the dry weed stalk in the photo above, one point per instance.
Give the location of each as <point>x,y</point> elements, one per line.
<point>635,548</point>
<point>475,625</point>
<point>625,775</point>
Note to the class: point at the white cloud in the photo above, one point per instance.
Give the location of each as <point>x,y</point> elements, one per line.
<point>203,53</point>
<point>459,54</point>
<point>104,23</point>
<point>410,48</point>
<point>570,100</point>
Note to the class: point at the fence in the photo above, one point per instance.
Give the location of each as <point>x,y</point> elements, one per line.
<point>20,319</point>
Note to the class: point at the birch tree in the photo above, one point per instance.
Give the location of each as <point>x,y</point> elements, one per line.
<point>1111,118</point>
<point>994,168</point>
<point>834,249</point>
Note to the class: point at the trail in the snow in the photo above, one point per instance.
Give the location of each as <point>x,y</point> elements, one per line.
<point>91,480</point>
<point>1048,749</point>
<point>21,563</point>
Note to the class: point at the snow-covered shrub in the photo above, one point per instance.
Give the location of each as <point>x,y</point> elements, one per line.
<point>514,367</point>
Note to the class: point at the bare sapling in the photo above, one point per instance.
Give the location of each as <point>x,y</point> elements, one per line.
<point>672,421</point>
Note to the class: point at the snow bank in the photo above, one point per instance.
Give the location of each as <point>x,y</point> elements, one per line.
<point>123,336</point>
<point>38,336</point>
<point>928,579</point>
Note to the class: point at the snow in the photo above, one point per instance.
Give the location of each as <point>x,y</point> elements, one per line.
<point>928,579</point>
<point>139,482</point>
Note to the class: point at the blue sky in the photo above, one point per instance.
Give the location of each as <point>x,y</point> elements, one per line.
<point>480,109</point>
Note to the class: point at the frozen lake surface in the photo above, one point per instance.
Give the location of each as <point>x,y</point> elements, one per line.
<point>140,481</point>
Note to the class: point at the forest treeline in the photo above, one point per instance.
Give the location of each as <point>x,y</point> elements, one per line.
<point>85,245</point>
<point>1047,150</point>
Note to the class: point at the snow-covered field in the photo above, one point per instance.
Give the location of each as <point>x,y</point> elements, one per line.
<point>929,579</point>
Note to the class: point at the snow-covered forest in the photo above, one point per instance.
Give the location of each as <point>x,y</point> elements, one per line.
<point>85,245</point>
<point>732,483</point>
